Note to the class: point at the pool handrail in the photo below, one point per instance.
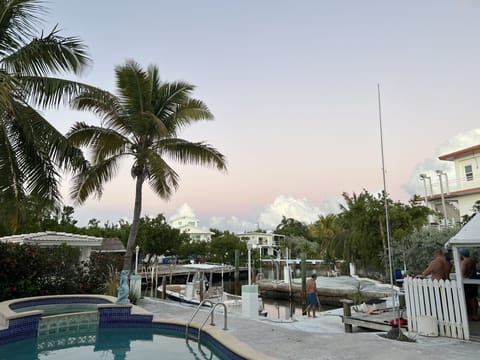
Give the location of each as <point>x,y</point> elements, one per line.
<point>211,312</point>
<point>203,302</point>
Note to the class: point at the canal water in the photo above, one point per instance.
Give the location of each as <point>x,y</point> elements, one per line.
<point>276,309</point>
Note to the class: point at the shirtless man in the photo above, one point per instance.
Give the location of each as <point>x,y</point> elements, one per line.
<point>439,267</point>
<point>312,302</point>
<point>469,271</point>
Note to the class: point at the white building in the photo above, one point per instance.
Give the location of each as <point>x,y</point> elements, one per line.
<point>455,197</point>
<point>189,225</point>
<point>268,243</point>
<point>87,244</point>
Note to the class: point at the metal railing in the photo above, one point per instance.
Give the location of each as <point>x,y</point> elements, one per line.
<point>210,315</point>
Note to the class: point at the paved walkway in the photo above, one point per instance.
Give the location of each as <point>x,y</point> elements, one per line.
<point>321,338</point>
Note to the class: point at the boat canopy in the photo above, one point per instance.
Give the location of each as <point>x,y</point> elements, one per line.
<point>205,267</point>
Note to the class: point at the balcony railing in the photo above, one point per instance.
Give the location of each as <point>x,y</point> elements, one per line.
<point>454,185</point>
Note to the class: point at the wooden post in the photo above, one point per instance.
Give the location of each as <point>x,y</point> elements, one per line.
<point>303,266</point>
<point>201,290</point>
<point>164,287</point>
<point>347,314</point>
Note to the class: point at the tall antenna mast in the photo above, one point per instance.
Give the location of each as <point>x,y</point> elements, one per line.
<point>387,220</point>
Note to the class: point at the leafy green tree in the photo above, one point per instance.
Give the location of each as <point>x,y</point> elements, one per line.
<point>363,218</point>
<point>418,248</point>
<point>31,149</point>
<point>156,237</point>
<point>292,227</point>
<point>299,245</point>
<point>222,248</point>
<point>142,123</point>
<point>193,249</point>
<point>50,270</point>
<point>326,231</point>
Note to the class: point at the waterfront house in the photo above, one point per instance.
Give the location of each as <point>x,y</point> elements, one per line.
<point>268,243</point>
<point>190,226</point>
<point>454,196</point>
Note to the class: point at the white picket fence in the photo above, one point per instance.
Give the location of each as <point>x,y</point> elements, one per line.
<point>442,300</point>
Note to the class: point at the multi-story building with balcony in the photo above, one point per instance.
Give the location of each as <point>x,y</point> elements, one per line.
<point>189,225</point>
<point>453,197</point>
<point>267,243</point>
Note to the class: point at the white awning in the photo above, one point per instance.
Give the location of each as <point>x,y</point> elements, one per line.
<point>469,234</point>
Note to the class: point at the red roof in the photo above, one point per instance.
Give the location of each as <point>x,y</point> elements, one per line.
<point>455,155</point>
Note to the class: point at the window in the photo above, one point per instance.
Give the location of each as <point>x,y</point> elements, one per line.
<point>469,172</point>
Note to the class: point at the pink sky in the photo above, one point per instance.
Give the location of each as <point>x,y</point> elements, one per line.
<point>293,87</point>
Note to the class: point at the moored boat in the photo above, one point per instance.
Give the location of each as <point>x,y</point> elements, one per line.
<point>198,287</point>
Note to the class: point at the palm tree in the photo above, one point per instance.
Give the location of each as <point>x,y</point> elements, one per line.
<point>326,230</point>
<point>31,149</point>
<point>142,123</point>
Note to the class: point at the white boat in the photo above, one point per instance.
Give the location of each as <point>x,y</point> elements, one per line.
<point>198,287</point>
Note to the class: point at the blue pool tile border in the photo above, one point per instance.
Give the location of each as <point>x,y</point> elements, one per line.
<point>121,316</point>
<point>20,329</point>
<point>179,331</point>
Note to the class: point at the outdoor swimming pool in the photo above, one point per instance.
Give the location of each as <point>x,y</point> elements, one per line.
<point>118,343</point>
<point>59,327</point>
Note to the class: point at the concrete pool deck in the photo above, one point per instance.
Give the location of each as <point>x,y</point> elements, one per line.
<point>319,338</point>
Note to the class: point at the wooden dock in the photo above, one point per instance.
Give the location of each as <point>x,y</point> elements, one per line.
<point>177,273</point>
<point>378,320</point>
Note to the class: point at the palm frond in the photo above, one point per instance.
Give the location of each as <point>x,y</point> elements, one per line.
<point>187,152</point>
<point>91,180</point>
<point>104,142</point>
<point>104,105</point>
<point>18,21</point>
<point>31,136</point>
<point>11,178</point>
<point>134,88</point>
<point>51,54</point>
<point>163,179</point>
<point>169,97</point>
<point>188,112</point>
<point>50,92</point>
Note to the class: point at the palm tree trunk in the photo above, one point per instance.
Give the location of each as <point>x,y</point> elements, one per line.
<point>132,237</point>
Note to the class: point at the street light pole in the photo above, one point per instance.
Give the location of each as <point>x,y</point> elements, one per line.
<point>446,182</point>
<point>137,248</point>
<point>249,252</point>
<point>430,183</point>
<point>424,177</point>
<point>440,173</point>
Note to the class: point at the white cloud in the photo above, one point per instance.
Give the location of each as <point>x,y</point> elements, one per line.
<point>184,210</point>
<point>331,204</point>
<point>298,209</point>
<point>429,166</point>
<point>232,224</point>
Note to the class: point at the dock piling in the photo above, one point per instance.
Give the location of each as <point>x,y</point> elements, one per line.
<point>347,313</point>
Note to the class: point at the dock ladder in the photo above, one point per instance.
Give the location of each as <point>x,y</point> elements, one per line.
<point>210,315</point>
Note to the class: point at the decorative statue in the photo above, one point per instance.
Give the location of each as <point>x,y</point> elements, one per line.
<point>122,297</point>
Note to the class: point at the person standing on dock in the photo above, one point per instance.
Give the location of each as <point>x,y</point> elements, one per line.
<point>312,299</point>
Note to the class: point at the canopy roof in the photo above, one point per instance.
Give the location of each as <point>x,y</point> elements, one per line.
<point>469,234</point>
<point>206,267</point>
<point>52,238</point>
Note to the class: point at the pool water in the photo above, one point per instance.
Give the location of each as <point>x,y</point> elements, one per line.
<point>123,343</point>
<point>55,309</point>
